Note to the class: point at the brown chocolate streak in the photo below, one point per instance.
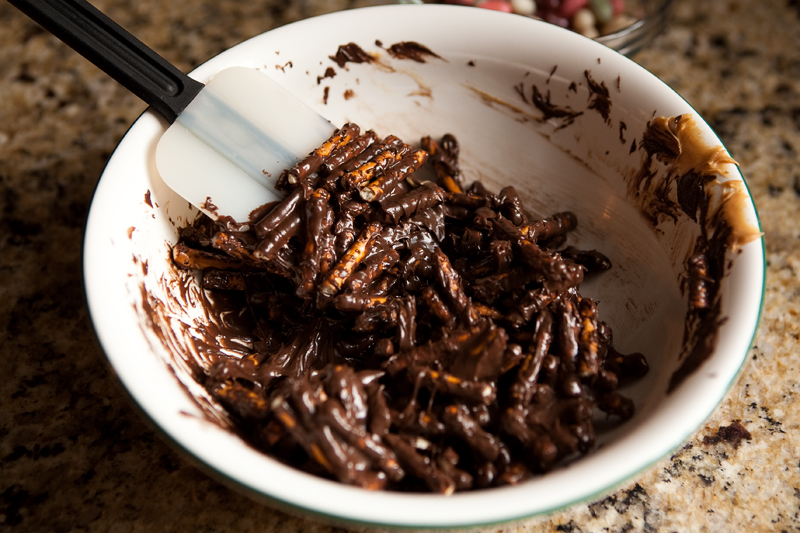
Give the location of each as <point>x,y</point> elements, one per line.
<point>411,50</point>
<point>351,53</point>
<point>690,178</point>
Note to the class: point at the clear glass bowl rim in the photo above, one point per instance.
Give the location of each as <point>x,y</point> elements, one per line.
<point>631,38</point>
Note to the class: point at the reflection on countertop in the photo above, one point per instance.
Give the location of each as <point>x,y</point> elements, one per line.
<point>75,456</point>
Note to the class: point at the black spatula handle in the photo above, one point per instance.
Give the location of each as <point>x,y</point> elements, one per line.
<point>115,51</point>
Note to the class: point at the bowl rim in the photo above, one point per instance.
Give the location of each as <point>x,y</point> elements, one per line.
<point>349,516</point>
<point>632,41</point>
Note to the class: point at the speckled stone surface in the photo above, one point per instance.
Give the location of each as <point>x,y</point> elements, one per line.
<point>76,456</point>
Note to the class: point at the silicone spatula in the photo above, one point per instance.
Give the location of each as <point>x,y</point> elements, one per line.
<point>228,140</point>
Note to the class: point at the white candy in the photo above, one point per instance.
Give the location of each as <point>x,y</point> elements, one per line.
<point>523,7</point>
<point>584,23</point>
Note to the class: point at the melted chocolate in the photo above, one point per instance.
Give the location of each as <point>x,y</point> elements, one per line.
<point>690,175</point>
<point>329,73</point>
<point>351,53</point>
<point>365,335</point>
<point>599,98</point>
<point>733,435</point>
<point>542,103</point>
<point>411,50</point>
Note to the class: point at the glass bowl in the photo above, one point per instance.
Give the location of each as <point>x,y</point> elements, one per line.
<point>652,17</point>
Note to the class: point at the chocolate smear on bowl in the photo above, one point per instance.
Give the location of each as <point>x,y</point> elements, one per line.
<point>391,332</point>
<point>186,344</point>
<point>411,50</point>
<point>680,176</point>
<point>552,111</point>
<point>599,98</point>
<point>552,72</point>
<point>329,73</point>
<point>351,53</point>
<point>210,206</point>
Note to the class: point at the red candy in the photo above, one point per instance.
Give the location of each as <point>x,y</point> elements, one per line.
<point>568,8</point>
<point>496,5</point>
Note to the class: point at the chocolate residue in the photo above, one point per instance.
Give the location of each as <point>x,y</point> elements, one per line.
<point>185,343</point>
<point>422,88</point>
<point>550,110</point>
<point>660,140</point>
<point>490,100</point>
<point>325,92</point>
<point>209,206</point>
<point>351,53</point>
<point>705,270</point>
<point>348,94</point>
<point>733,435</point>
<point>147,199</point>
<point>329,73</point>
<point>687,184</point>
<point>622,128</point>
<point>411,50</point>
<point>520,89</point>
<point>283,67</point>
<point>599,98</point>
<point>550,76</point>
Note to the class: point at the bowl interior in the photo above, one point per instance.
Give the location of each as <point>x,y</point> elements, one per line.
<point>479,86</point>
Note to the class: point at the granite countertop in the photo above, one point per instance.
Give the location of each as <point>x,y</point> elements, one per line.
<point>76,456</point>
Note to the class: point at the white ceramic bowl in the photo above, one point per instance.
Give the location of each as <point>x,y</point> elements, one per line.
<point>141,307</point>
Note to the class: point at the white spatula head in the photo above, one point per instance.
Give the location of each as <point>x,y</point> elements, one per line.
<point>226,150</point>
